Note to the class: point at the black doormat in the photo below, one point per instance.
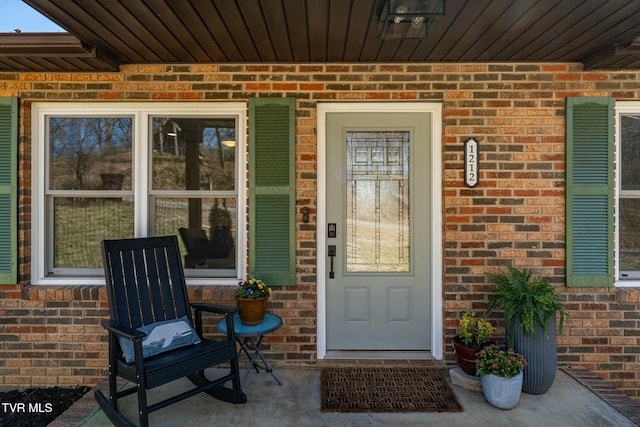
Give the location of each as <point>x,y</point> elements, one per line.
<point>397,389</point>
<point>36,407</point>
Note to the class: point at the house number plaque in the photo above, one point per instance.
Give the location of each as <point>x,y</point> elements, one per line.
<point>471,162</point>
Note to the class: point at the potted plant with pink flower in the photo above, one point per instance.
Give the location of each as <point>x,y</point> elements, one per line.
<point>500,375</point>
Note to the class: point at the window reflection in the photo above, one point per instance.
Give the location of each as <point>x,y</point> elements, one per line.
<point>94,219</point>
<point>197,157</point>
<point>629,203</point>
<point>90,153</point>
<point>207,229</point>
<point>194,154</point>
<point>96,185</point>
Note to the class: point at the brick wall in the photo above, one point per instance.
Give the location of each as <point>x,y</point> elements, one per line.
<point>516,111</point>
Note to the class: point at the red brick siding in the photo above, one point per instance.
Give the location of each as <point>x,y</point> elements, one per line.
<point>516,111</point>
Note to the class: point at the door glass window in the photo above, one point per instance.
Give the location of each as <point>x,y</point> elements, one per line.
<point>377,201</point>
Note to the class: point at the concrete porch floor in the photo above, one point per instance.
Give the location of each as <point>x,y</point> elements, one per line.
<point>577,398</point>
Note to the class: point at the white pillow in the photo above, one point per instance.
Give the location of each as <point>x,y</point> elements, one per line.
<point>161,337</point>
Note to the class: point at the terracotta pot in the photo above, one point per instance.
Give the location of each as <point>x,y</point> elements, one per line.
<point>252,310</point>
<point>465,355</point>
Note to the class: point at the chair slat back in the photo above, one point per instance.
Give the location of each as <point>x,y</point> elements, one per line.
<point>145,280</point>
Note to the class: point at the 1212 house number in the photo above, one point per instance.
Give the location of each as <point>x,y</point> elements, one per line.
<point>471,162</point>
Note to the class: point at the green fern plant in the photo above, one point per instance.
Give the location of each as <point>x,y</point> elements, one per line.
<point>532,298</point>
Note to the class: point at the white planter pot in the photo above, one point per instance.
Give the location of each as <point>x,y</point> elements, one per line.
<point>501,392</point>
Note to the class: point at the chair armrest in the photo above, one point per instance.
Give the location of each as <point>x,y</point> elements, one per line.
<point>214,308</point>
<point>228,312</point>
<point>122,331</point>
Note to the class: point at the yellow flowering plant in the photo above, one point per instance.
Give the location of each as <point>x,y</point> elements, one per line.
<point>474,332</point>
<point>253,288</point>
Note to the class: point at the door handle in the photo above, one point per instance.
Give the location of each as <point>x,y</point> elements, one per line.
<point>331,251</point>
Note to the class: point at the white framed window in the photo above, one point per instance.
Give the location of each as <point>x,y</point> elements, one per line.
<point>627,228</point>
<point>119,170</point>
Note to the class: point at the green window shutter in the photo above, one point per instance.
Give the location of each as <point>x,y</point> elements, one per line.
<point>8,190</point>
<point>272,190</point>
<point>590,192</point>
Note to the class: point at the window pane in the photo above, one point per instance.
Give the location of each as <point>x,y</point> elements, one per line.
<point>90,153</point>
<point>630,146</point>
<point>377,201</point>
<point>193,153</point>
<point>81,223</point>
<point>629,235</point>
<point>207,230</point>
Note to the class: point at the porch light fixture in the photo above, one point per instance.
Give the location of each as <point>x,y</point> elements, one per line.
<point>407,19</point>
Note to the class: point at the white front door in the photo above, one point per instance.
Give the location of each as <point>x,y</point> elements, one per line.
<point>378,255</point>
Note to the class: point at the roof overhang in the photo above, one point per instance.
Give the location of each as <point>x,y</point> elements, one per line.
<point>48,51</point>
<point>601,34</point>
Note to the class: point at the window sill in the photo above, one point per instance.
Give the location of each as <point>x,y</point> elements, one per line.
<point>627,284</point>
<point>99,281</point>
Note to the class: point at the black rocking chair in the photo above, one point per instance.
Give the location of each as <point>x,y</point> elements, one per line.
<point>150,312</point>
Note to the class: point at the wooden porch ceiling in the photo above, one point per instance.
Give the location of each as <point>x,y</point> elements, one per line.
<point>601,34</point>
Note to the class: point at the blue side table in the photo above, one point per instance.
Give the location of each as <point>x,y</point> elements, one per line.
<point>246,335</point>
